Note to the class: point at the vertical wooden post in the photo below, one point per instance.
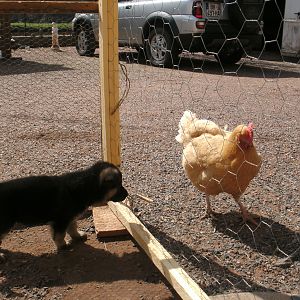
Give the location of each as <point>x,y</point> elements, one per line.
<point>5,36</point>
<point>109,73</point>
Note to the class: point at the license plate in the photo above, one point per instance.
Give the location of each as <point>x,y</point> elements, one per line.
<point>213,9</point>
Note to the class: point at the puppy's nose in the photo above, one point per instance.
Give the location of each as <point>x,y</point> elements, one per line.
<point>123,194</point>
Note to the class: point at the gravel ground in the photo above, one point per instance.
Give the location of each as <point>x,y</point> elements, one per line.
<point>50,123</point>
<point>223,255</point>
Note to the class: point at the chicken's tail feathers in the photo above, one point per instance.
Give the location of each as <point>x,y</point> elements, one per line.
<point>184,131</point>
<point>191,127</point>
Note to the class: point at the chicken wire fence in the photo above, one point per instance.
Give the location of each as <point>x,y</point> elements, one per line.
<point>231,71</point>
<point>49,99</point>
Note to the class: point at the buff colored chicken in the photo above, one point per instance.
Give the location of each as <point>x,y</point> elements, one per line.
<point>217,160</point>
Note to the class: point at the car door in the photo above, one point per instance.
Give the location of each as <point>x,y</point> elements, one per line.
<point>125,19</point>
<point>130,22</point>
<point>138,21</point>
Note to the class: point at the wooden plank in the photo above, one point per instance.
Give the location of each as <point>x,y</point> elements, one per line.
<point>106,223</point>
<point>109,75</point>
<point>34,6</point>
<point>184,285</point>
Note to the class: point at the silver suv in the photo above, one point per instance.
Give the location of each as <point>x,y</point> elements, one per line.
<point>165,28</point>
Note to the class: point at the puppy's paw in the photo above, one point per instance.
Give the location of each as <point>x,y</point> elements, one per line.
<point>81,237</point>
<point>2,258</point>
<point>65,247</point>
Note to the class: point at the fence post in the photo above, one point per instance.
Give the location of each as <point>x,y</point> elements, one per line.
<point>5,35</point>
<point>109,79</point>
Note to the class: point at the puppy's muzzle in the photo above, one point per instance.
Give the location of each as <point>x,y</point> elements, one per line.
<point>120,195</point>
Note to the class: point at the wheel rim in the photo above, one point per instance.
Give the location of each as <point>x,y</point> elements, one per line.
<point>158,47</point>
<point>82,42</point>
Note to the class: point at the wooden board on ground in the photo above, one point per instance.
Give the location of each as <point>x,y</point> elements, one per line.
<point>106,222</point>
<point>183,284</point>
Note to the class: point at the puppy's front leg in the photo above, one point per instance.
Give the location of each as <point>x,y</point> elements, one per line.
<point>58,234</point>
<point>3,231</point>
<point>2,256</point>
<point>76,234</point>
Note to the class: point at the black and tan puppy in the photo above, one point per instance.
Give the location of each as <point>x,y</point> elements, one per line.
<point>58,200</point>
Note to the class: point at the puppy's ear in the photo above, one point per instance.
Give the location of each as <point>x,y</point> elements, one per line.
<point>108,175</point>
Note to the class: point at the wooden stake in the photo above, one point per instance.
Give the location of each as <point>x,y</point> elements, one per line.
<point>5,35</point>
<point>145,198</point>
<point>184,285</point>
<point>55,43</point>
<point>109,73</point>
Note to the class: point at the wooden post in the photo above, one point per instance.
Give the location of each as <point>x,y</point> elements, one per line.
<point>109,73</point>
<point>5,36</point>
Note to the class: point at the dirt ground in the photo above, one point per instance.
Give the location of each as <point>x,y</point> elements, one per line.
<point>49,124</point>
<point>111,268</point>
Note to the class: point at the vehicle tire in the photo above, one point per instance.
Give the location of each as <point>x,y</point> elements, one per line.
<point>85,40</point>
<point>230,54</point>
<point>161,47</point>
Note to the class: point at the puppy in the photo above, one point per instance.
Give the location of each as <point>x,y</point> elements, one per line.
<point>58,200</point>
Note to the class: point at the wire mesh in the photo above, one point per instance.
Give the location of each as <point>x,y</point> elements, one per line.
<point>243,77</point>
<point>226,61</point>
<point>43,90</point>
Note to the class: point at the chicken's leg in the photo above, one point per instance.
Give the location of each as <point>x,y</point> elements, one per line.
<point>209,212</point>
<point>245,214</point>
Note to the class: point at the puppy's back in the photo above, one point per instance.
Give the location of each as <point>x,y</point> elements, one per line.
<point>30,199</point>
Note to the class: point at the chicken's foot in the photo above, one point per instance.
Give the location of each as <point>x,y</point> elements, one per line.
<point>245,214</point>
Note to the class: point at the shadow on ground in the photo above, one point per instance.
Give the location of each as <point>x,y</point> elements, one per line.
<point>268,238</point>
<point>19,66</point>
<point>83,264</point>
<point>209,65</point>
<point>223,277</point>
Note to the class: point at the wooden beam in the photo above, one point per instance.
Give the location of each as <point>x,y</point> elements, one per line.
<point>184,285</point>
<point>48,6</point>
<point>109,74</point>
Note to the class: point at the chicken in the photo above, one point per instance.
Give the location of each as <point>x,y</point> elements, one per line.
<point>217,160</point>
